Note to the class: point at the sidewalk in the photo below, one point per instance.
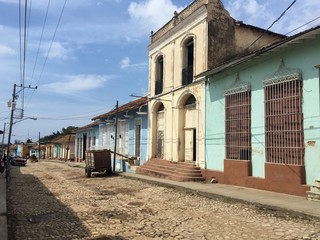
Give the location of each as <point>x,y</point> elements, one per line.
<point>3,208</point>
<point>271,200</point>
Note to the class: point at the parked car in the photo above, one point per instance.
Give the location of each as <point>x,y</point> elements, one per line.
<point>17,160</point>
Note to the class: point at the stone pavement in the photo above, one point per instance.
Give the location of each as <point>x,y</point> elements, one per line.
<point>279,201</point>
<point>3,208</point>
<point>268,200</point>
<point>294,204</point>
<point>64,204</point>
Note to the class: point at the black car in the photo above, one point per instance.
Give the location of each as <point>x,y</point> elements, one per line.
<point>17,160</point>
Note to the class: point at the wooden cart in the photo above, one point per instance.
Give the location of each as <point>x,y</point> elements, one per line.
<point>98,161</point>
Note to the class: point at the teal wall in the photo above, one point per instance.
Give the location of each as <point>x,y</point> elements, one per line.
<point>304,56</point>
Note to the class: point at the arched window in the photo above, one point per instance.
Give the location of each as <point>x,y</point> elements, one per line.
<point>159,76</point>
<point>190,101</point>
<point>188,55</point>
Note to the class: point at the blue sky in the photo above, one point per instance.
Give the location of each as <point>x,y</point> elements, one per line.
<point>99,53</point>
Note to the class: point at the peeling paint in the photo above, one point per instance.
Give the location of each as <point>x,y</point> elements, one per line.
<point>311,143</point>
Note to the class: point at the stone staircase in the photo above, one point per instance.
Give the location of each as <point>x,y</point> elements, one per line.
<point>314,193</point>
<point>177,171</point>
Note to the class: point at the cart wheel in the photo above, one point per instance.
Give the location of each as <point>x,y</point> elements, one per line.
<point>87,172</point>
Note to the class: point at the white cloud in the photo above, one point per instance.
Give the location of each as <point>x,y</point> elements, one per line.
<point>58,51</point>
<point>6,51</point>
<point>264,13</point>
<point>249,11</point>
<point>126,63</point>
<point>77,83</point>
<point>152,14</point>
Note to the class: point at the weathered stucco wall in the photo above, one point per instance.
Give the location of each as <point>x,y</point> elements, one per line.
<point>304,56</point>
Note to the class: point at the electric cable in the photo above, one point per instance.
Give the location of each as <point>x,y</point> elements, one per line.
<point>303,25</point>
<point>282,14</point>
<point>20,41</point>
<point>55,32</point>
<point>56,29</point>
<point>40,42</point>
<point>24,51</point>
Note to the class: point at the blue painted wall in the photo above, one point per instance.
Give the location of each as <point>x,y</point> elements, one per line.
<point>305,56</point>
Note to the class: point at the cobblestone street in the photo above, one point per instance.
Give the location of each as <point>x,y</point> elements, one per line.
<point>51,200</point>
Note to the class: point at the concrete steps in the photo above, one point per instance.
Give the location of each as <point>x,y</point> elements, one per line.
<point>177,171</point>
<point>314,193</point>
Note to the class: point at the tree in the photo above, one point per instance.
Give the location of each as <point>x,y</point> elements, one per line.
<point>64,131</point>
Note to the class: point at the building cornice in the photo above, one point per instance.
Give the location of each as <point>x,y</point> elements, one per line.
<point>185,26</point>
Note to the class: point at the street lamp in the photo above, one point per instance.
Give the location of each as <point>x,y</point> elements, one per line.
<point>32,118</point>
<point>10,130</point>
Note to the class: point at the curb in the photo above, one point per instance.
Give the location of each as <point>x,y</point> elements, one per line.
<point>3,208</point>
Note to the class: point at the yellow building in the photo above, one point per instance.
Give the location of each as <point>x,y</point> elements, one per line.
<point>195,40</point>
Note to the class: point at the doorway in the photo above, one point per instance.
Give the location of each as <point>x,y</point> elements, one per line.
<point>190,150</point>
<point>137,137</point>
<point>84,147</point>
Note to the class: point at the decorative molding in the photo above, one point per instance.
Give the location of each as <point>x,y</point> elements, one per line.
<point>195,19</point>
<point>283,74</point>
<point>237,87</point>
<point>159,54</point>
<point>186,38</point>
<point>178,19</point>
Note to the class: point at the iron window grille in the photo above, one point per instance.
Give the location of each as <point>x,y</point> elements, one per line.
<point>284,134</point>
<point>187,71</point>
<point>158,87</point>
<point>284,122</point>
<point>187,75</point>
<point>238,125</point>
<point>159,76</point>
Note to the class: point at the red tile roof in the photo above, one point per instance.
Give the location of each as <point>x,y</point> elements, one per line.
<point>126,107</point>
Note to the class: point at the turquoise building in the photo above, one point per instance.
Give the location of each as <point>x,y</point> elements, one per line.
<point>262,123</point>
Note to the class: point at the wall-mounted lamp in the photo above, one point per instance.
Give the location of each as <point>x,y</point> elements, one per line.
<point>108,120</point>
<point>141,112</point>
<point>112,137</point>
<point>127,115</point>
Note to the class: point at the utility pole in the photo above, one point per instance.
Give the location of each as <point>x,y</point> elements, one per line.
<point>68,147</point>
<point>115,138</point>
<point>39,148</point>
<point>4,131</point>
<point>13,105</point>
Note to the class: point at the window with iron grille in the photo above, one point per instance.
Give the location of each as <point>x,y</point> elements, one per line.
<point>187,71</point>
<point>284,123</point>
<point>159,76</point>
<point>238,125</point>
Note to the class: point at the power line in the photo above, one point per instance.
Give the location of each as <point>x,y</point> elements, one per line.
<point>25,49</point>
<point>54,35</point>
<point>62,119</point>
<point>303,25</point>
<point>29,18</point>
<point>39,46</point>
<point>282,14</point>
<point>50,44</point>
<point>44,24</point>
<point>20,41</point>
